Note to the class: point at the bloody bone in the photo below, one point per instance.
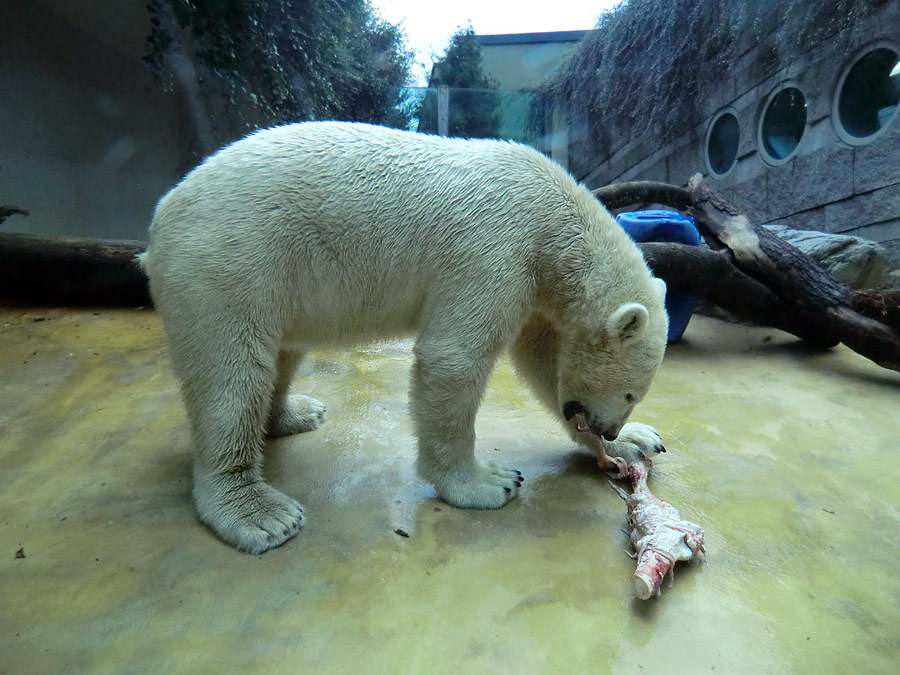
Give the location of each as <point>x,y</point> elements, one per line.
<point>659,536</point>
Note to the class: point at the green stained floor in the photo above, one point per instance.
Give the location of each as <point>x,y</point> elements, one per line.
<point>790,459</point>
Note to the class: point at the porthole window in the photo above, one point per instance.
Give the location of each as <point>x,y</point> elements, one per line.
<point>867,95</point>
<point>782,124</point>
<point>722,143</point>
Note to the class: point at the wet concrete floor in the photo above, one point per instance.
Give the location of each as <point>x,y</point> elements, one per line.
<point>790,459</point>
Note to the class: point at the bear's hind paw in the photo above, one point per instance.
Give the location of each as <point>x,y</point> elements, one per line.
<point>253,518</point>
<point>298,415</point>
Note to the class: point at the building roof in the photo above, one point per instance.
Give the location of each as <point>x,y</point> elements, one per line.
<point>531,38</point>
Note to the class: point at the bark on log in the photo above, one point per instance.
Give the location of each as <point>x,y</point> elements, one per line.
<point>883,306</point>
<point>792,274</point>
<point>81,272</point>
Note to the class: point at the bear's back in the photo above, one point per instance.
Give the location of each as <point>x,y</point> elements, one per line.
<point>362,194</point>
<point>340,173</point>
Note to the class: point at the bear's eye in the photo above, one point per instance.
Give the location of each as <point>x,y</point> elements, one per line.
<point>629,398</point>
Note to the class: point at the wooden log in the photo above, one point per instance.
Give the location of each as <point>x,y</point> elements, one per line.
<point>883,306</point>
<point>794,276</point>
<point>824,311</point>
<point>50,270</point>
<point>87,272</point>
<point>82,272</point>
<point>711,276</point>
<point>618,195</point>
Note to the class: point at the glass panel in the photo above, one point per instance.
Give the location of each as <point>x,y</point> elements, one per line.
<point>869,96</point>
<point>784,123</point>
<point>480,113</point>
<point>723,143</point>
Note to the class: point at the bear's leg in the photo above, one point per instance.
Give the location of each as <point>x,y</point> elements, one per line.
<point>292,414</point>
<point>228,390</point>
<point>534,357</point>
<point>447,386</point>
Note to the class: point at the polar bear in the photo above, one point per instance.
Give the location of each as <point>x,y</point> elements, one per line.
<point>330,233</point>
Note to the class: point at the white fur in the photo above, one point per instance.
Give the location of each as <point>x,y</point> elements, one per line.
<point>325,233</point>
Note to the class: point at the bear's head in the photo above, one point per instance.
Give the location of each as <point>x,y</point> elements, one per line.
<point>606,367</point>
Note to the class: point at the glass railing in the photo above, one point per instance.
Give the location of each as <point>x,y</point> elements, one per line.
<point>522,116</point>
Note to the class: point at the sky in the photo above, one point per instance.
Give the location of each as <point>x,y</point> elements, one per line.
<point>429,24</point>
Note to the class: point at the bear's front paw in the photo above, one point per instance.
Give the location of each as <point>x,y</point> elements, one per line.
<point>299,414</point>
<point>252,518</point>
<point>488,486</point>
<point>636,440</point>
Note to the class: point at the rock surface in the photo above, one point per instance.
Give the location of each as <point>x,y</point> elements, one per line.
<point>856,262</point>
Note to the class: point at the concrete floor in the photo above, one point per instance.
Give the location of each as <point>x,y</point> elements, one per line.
<point>788,457</point>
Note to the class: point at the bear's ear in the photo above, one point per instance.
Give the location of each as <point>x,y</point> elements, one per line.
<point>628,323</point>
<point>660,288</point>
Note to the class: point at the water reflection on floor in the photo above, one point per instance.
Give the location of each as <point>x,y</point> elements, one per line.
<point>789,458</point>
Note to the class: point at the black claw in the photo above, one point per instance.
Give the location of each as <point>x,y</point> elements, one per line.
<point>507,489</point>
<point>662,448</point>
<point>518,472</point>
<point>518,484</point>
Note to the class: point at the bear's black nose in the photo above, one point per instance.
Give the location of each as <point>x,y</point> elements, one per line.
<point>572,408</point>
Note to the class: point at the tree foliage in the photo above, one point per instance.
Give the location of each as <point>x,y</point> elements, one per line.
<point>649,66</point>
<point>277,61</point>
<point>474,105</point>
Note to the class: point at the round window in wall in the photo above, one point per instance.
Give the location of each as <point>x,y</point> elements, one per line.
<point>782,125</point>
<point>722,143</point>
<point>867,95</point>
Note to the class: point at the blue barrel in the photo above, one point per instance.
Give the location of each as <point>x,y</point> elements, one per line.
<point>669,226</point>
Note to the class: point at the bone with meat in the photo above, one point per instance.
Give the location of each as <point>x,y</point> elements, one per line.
<point>659,535</point>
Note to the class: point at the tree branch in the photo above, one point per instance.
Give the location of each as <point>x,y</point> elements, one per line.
<point>6,211</point>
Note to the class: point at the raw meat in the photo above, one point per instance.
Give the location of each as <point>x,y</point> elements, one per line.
<point>659,536</point>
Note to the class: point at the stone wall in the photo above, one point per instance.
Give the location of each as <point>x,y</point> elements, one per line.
<point>827,185</point>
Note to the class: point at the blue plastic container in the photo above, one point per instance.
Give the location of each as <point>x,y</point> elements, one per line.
<point>670,226</point>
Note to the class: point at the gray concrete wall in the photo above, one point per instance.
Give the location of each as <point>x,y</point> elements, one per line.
<point>88,140</point>
<point>827,186</point>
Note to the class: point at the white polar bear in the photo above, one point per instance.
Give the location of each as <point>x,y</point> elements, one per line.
<point>331,233</point>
